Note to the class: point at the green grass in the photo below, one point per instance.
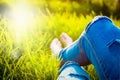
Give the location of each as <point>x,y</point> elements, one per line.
<point>34,60</point>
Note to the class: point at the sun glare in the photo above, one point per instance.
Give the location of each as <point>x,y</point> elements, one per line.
<point>22,17</point>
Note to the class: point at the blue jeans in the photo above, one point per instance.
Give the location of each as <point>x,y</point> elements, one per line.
<point>100,42</point>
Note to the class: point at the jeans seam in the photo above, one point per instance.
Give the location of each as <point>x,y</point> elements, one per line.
<point>94,52</point>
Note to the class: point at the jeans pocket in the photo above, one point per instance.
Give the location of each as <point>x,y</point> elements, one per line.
<point>114,46</point>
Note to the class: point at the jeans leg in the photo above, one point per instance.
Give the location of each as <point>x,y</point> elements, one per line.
<point>101,44</point>
<point>71,52</point>
<point>72,71</point>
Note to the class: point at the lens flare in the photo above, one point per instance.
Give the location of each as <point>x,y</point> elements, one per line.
<point>22,18</point>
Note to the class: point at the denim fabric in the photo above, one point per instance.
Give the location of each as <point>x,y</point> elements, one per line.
<point>72,71</point>
<point>100,42</point>
<point>70,52</point>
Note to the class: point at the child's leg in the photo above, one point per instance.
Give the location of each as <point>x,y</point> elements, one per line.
<point>101,44</point>
<point>72,71</point>
<point>74,53</point>
<point>71,53</point>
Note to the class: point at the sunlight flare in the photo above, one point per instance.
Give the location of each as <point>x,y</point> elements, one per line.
<point>22,17</point>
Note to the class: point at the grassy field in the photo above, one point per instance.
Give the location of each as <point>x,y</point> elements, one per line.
<point>28,56</point>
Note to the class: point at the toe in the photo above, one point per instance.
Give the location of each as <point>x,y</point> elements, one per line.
<point>63,35</point>
<point>66,39</point>
<point>53,42</point>
<point>55,46</point>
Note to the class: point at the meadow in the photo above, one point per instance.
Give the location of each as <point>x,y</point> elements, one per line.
<point>25,52</point>
<point>30,58</point>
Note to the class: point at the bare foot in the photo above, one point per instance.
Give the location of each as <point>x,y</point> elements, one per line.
<point>67,40</point>
<point>56,46</point>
